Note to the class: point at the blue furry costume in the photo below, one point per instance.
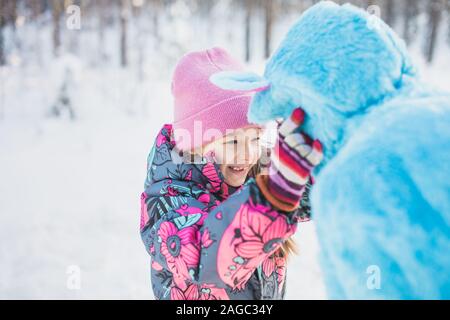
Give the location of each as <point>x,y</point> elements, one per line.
<point>381,200</point>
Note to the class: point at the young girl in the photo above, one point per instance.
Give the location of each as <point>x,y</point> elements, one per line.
<point>214,225</point>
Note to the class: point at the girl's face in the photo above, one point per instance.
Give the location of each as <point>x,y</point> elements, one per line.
<point>236,153</point>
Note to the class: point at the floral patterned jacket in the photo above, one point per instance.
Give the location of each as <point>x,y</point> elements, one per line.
<point>204,242</point>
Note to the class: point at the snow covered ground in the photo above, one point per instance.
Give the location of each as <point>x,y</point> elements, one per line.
<point>69,190</point>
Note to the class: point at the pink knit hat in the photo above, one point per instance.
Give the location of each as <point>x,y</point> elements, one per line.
<point>203,111</point>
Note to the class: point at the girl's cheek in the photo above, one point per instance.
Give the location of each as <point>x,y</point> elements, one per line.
<point>225,155</point>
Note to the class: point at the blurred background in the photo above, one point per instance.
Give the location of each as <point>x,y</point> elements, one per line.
<point>84,88</point>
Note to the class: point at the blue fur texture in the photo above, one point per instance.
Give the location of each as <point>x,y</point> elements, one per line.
<point>381,200</point>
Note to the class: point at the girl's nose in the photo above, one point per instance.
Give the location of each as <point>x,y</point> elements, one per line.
<point>245,153</point>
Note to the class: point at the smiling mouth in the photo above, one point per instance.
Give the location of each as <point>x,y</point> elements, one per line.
<point>238,169</point>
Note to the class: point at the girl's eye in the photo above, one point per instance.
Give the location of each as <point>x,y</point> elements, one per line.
<point>235,141</point>
<point>255,139</point>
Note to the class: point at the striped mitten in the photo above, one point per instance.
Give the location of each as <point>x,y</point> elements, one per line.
<point>292,160</point>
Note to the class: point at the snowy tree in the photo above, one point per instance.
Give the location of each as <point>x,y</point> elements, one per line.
<point>101,12</point>
<point>389,12</point>
<point>8,16</point>
<point>2,40</point>
<point>57,10</point>
<point>124,16</point>
<point>156,8</point>
<point>448,21</point>
<point>411,12</point>
<point>268,24</point>
<point>248,19</point>
<point>435,8</point>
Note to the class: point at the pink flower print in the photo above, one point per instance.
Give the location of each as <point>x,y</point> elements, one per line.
<point>219,215</point>
<point>204,198</point>
<point>144,212</point>
<point>161,138</point>
<point>225,191</point>
<point>268,266</point>
<point>190,293</point>
<point>156,266</point>
<point>188,175</point>
<point>280,263</point>
<point>181,248</point>
<point>210,172</point>
<point>247,241</point>
<point>187,211</point>
<point>172,192</point>
<point>206,239</point>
